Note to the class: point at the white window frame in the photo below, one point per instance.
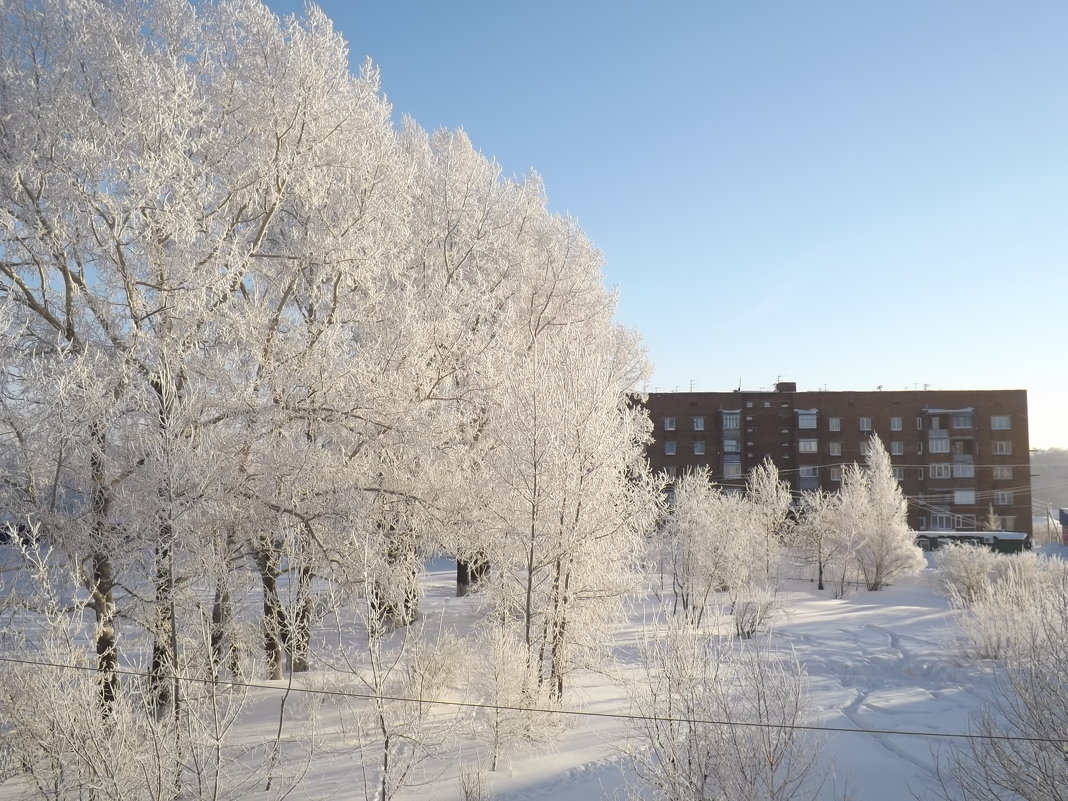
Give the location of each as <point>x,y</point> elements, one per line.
<point>808,471</point>
<point>732,446</point>
<point>940,470</point>
<point>1003,472</point>
<point>834,448</point>
<point>865,423</point>
<point>699,447</point>
<point>835,473</point>
<point>899,472</point>
<point>1003,498</point>
<point>732,470</point>
<point>895,423</point>
<point>1001,447</point>
<point>962,420</point>
<point>834,423</point>
<point>808,446</point>
<point>699,424</point>
<point>941,521</point>
<point>670,448</point>
<point>669,423</point>
<point>732,421</point>
<point>1000,422</point>
<point>807,420</point>
<point>897,448</point>
<point>963,470</point>
<point>938,445</point>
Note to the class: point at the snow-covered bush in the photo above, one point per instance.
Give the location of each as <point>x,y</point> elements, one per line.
<point>1000,620</point>
<point>965,571</point>
<point>718,721</point>
<point>754,605</point>
<point>1018,749</point>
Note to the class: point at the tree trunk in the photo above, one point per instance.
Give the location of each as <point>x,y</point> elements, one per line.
<point>163,635</point>
<point>275,625</point>
<point>103,582</point>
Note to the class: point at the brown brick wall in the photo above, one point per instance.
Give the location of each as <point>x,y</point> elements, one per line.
<point>990,463</point>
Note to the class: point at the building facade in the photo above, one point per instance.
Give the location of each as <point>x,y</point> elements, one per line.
<point>956,453</point>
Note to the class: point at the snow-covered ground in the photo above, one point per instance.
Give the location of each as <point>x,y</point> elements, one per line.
<point>884,678</point>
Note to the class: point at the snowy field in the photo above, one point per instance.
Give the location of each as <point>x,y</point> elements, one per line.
<point>876,661</point>
<point>885,682</point>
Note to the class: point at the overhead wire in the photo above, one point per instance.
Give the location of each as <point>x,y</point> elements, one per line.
<point>551,711</point>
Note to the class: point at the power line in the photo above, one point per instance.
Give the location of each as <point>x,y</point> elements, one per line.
<point>548,711</point>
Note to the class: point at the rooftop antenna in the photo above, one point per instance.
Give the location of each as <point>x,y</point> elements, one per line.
<point>691,385</point>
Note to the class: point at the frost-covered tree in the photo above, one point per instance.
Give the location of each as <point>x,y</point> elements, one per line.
<point>887,547</point>
<point>723,543</point>
<point>992,522</point>
<point>814,534</point>
<point>770,498</point>
<point>707,538</point>
<point>573,495</point>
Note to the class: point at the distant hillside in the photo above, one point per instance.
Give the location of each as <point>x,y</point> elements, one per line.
<point>1049,482</point>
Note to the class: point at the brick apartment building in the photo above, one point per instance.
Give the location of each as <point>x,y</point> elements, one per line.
<point>956,453</point>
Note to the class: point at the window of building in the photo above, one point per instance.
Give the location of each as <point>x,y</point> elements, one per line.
<point>669,448</point>
<point>1002,447</point>
<point>732,470</point>
<point>748,404</point>
<point>1002,472</point>
<point>919,449</point>
<point>1008,522</point>
<point>897,448</point>
<point>963,470</point>
<point>941,522</point>
<point>899,473</point>
<point>936,423</point>
<point>767,404</point>
<point>699,424</point>
<point>865,448</point>
<point>669,471</point>
<point>919,424</point>
<point>940,445</point>
<point>808,446</point>
<point>964,497</point>
<point>806,420</point>
<point>731,446</point>
<point>1000,422</point>
<point>699,448</point>
<point>962,420</point>
<point>810,471</point>
<point>834,448</point>
<point>1003,498</point>
<point>834,423</point>
<point>669,423</point>
<point>865,424</point>
<point>940,470</point>
<point>895,423</point>
<point>964,522</point>
<point>732,420</point>
<point>835,473</point>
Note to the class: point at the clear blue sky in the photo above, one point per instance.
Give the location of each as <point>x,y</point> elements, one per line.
<point>842,194</point>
